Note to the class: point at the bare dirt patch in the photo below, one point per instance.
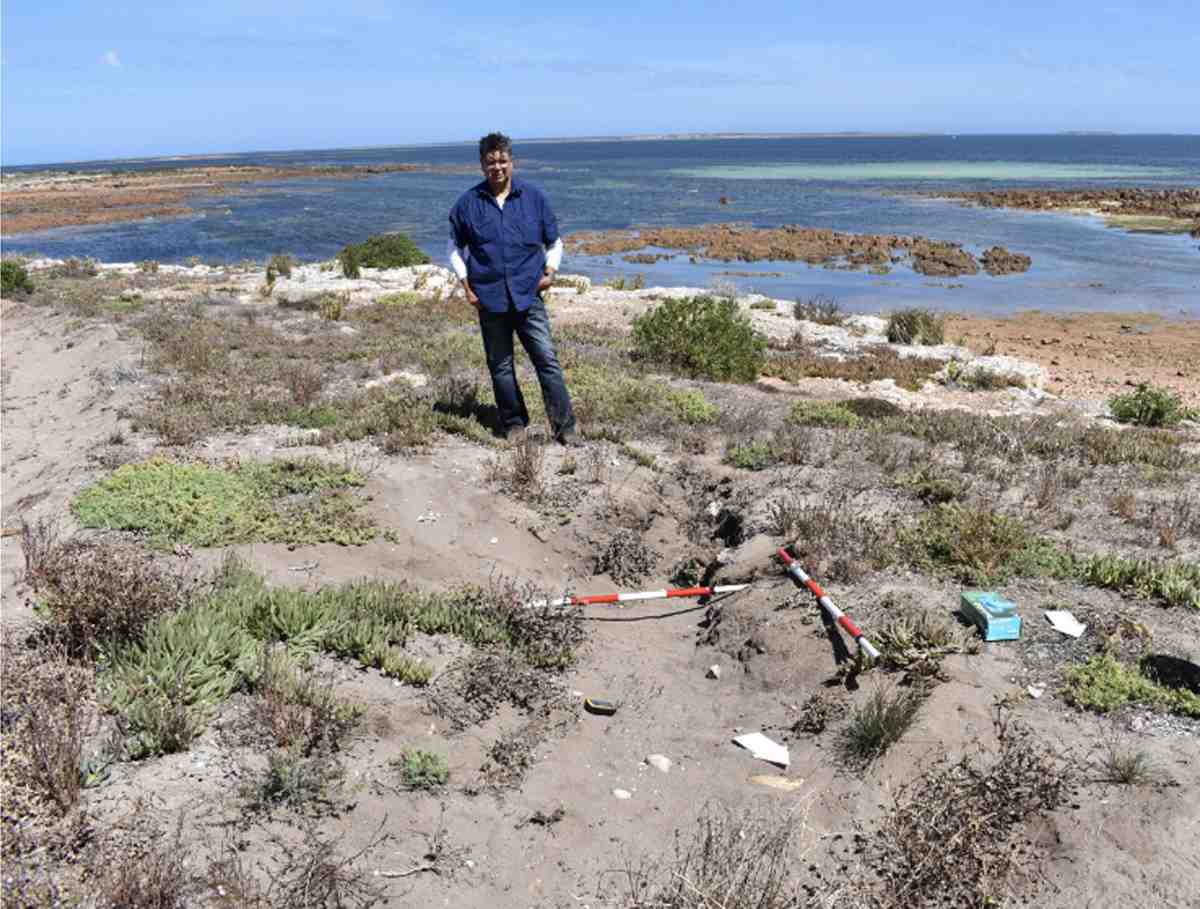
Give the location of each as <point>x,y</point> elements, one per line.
<point>1093,355</point>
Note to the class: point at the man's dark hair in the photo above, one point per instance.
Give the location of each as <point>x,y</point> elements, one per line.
<point>495,142</point>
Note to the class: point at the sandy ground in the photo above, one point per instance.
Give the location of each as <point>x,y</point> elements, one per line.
<point>1093,355</point>
<point>64,385</point>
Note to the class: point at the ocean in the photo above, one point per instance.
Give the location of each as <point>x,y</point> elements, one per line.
<point>847,183</point>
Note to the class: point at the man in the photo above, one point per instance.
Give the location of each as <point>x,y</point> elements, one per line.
<point>505,248</point>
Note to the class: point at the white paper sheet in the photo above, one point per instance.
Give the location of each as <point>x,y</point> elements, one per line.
<point>1063,621</point>
<point>763,748</point>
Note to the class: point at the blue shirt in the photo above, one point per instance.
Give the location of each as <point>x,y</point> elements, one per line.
<point>506,245</point>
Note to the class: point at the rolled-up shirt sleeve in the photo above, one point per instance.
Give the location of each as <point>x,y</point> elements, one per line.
<point>458,258</point>
<point>456,247</point>
<point>554,254</point>
<point>549,224</point>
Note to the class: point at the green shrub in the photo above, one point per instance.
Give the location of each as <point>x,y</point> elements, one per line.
<point>14,278</point>
<point>915,326</point>
<point>332,306</point>
<point>921,637</point>
<point>168,687</point>
<point>606,394</point>
<point>691,407</point>
<point>823,413</point>
<point>1175,583</point>
<point>384,251</point>
<point>872,408</point>
<point>351,267</point>
<point>1103,683</point>
<point>280,264</point>
<point>752,455</point>
<point>299,501</point>
<point>975,544</point>
<point>421,769</point>
<point>1148,406</point>
<point>704,337</point>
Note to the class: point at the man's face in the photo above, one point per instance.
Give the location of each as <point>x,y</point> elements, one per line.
<point>497,167</point>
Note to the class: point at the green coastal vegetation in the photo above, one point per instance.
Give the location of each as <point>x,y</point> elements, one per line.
<point>155,634</point>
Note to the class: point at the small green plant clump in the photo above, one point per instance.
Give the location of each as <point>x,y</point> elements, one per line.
<point>351,266</point>
<point>421,769</point>
<point>298,501</point>
<point>757,455</point>
<point>979,378</point>
<point>280,265</point>
<point>704,337</point>
<point>1148,406</point>
<point>1104,683</point>
<point>333,306</point>
<point>609,395</point>
<point>830,414</point>
<point>920,638</point>
<point>402,298</point>
<point>974,543</point>
<point>1126,766</point>
<point>915,326</point>
<point>820,309</point>
<point>1176,583</point>
<point>382,251</point>
<point>871,365</point>
<point>879,723</point>
<point>935,485</point>
<point>14,279</point>
<point>168,684</point>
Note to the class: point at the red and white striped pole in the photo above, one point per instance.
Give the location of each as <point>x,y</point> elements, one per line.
<point>672,593</point>
<point>793,568</point>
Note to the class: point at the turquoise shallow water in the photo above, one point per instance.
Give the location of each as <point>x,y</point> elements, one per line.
<point>870,185</point>
<point>908,171</point>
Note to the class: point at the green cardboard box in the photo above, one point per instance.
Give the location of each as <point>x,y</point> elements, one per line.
<point>996,618</point>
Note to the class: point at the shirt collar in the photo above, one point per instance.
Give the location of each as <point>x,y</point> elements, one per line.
<point>517,185</point>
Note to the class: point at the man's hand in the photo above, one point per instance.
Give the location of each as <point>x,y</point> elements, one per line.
<point>546,281</point>
<point>471,298</point>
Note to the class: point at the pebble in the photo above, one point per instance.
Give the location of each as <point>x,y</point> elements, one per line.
<point>714,672</point>
<point>659,762</point>
<point>623,793</point>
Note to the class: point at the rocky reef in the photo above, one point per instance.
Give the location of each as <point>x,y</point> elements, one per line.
<point>1132,208</point>
<point>792,243</point>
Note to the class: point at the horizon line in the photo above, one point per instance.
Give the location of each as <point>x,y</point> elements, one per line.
<point>625,137</point>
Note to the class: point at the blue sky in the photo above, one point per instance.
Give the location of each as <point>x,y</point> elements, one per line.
<point>85,80</point>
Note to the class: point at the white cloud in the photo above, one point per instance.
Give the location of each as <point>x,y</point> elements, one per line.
<point>111,58</point>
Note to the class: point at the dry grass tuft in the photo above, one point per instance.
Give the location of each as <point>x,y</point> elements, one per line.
<point>730,860</point>
<point>99,595</point>
<point>50,711</point>
<point>878,723</point>
<point>956,835</point>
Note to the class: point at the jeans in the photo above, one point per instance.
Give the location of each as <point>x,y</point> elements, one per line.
<point>533,328</point>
